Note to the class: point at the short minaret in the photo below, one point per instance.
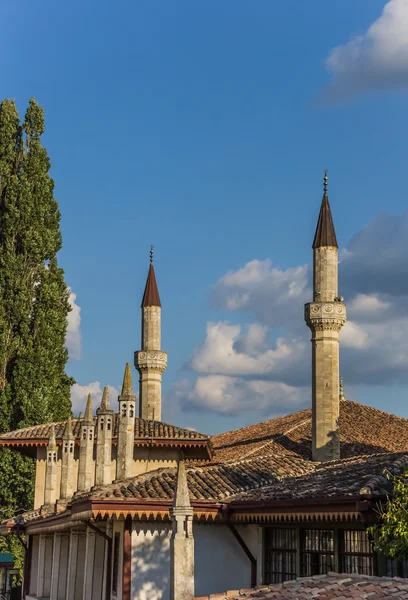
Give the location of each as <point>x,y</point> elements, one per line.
<point>126,428</point>
<point>104,425</point>
<point>182,540</point>
<point>67,462</point>
<point>325,316</point>
<point>86,449</point>
<point>150,361</point>
<point>50,496</point>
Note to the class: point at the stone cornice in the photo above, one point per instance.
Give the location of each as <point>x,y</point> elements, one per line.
<point>321,316</point>
<point>151,360</point>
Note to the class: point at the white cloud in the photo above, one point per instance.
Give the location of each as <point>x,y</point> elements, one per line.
<point>219,354</point>
<point>275,296</point>
<point>376,60</point>
<point>230,395</point>
<point>353,336</point>
<point>73,338</point>
<point>367,305</point>
<point>79,395</point>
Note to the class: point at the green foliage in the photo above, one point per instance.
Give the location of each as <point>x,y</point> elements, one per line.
<point>34,387</point>
<point>390,535</point>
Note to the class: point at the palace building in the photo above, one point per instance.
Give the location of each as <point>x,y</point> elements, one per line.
<point>130,508</point>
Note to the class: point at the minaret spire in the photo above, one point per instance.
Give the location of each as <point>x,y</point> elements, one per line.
<point>150,361</point>
<point>126,428</point>
<point>325,234</point>
<point>325,317</point>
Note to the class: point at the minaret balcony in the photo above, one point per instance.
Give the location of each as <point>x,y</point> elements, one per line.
<point>325,315</point>
<point>151,360</point>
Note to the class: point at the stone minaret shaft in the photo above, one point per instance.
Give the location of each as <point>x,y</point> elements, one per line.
<point>126,428</point>
<point>151,361</point>
<point>67,461</point>
<point>325,316</point>
<point>86,449</point>
<point>104,425</point>
<point>50,495</point>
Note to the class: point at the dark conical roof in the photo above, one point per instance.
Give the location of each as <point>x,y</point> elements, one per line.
<point>325,234</point>
<point>151,294</point>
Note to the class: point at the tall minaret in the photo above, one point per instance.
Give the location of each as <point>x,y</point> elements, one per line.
<point>325,316</point>
<point>151,361</point>
<point>104,426</point>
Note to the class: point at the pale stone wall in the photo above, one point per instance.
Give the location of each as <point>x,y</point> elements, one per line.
<point>149,459</point>
<point>151,327</point>
<point>325,273</point>
<point>220,563</point>
<point>126,427</point>
<point>86,467</point>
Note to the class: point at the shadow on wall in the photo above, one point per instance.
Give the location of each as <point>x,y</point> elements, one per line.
<point>151,561</point>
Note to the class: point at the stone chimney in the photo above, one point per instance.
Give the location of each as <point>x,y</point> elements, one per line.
<point>325,316</point>
<point>67,463</point>
<point>182,540</point>
<point>126,428</point>
<point>51,470</point>
<point>104,424</point>
<point>151,361</point>
<point>86,449</point>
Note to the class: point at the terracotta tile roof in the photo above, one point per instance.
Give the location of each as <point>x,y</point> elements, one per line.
<point>333,586</point>
<point>358,476</point>
<point>213,483</point>
<point>151,294</point>
<point>144,429</point>
<point>363,430</point>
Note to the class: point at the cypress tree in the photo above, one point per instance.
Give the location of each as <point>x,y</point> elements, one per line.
<point>34,387</point>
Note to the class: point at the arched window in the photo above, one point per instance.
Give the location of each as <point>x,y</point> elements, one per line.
<point>102,424</point>
<point>71,447</point>
<point>131,407</point>
<point>84,435</point>
<point>55,457</point>
<point>124,409</point>
<point>108,425</point>
<point>90,435</point>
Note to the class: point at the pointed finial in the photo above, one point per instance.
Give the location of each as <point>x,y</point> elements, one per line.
<point>127,389</point>
<point>68,429</point>
<point>151,254</point>
<point>88,410</point>
<point>341,390</point>
<point>325,181</point>
<point>80,415</point>
<point>181,494</point>
<point>52,441</point>
<point>105,405</point>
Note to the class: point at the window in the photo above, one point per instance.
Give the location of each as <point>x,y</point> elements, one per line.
<point>317,551</point>
<point>280,555</point>
<point>108,425</point>
<point>355,553</point>
<point>115,568</point>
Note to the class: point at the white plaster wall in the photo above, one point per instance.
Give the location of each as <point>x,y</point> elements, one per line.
<point>220,562</point>
<point>150,561</point>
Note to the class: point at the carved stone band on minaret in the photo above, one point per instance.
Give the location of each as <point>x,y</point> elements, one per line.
<point>320,316</point>
<point>153,360</point>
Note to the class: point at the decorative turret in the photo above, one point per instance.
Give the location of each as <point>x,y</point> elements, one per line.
<point>104,424</point>
<point>67,463</point>
<point>182,540</point>
<point>86,450</point>
<point>126,428</point>
<point>51,470</point>
<point>151,361</point>
<point>325,316</point>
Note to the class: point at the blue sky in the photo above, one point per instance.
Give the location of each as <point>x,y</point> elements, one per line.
<point>204,128</point>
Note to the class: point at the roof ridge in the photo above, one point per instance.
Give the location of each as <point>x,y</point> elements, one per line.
<point>254,450</point>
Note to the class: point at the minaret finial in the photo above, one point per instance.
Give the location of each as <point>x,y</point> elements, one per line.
<point>151,254</point>
<point>325,181</point>
<point>341,390</point>
<point>52,441</point>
